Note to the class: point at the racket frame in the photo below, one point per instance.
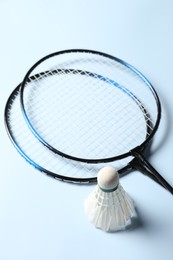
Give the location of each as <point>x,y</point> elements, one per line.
<point>88,160</point>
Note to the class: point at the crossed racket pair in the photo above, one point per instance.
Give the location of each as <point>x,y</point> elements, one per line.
<point>79,110</point>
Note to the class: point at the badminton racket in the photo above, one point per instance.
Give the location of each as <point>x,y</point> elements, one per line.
<point>84,109</point>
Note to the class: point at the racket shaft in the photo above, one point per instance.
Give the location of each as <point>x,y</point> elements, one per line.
<point>151,171</point>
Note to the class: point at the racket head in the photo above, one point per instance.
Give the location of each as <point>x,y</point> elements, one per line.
<point>91,80</point>
<point>43,159</point>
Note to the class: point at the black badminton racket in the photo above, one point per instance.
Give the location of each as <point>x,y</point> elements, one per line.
<point>88,109</point>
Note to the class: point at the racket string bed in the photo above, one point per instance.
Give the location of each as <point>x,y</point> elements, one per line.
<point>88,115</point>
<point>41,157</point>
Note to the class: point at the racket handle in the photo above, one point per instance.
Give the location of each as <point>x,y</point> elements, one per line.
<point>145,167</point>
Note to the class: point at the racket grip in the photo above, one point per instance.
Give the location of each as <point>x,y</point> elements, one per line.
<point>145,167</point>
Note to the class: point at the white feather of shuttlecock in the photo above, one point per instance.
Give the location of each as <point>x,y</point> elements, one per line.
<point>110,211</point>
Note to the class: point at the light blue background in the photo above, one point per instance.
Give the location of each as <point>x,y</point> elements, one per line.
<point>41,218</point>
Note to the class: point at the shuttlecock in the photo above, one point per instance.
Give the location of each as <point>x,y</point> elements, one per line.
<point>109,207</point>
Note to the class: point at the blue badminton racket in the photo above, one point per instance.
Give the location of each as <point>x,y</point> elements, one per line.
<point>79,110</point>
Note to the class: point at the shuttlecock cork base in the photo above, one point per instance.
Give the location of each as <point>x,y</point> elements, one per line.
<point>109,207</point>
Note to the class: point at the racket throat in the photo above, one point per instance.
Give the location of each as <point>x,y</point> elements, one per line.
<point>140,163</point>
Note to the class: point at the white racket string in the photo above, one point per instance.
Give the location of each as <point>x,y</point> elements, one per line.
<point>41,157</point>
<point>82,114</point>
